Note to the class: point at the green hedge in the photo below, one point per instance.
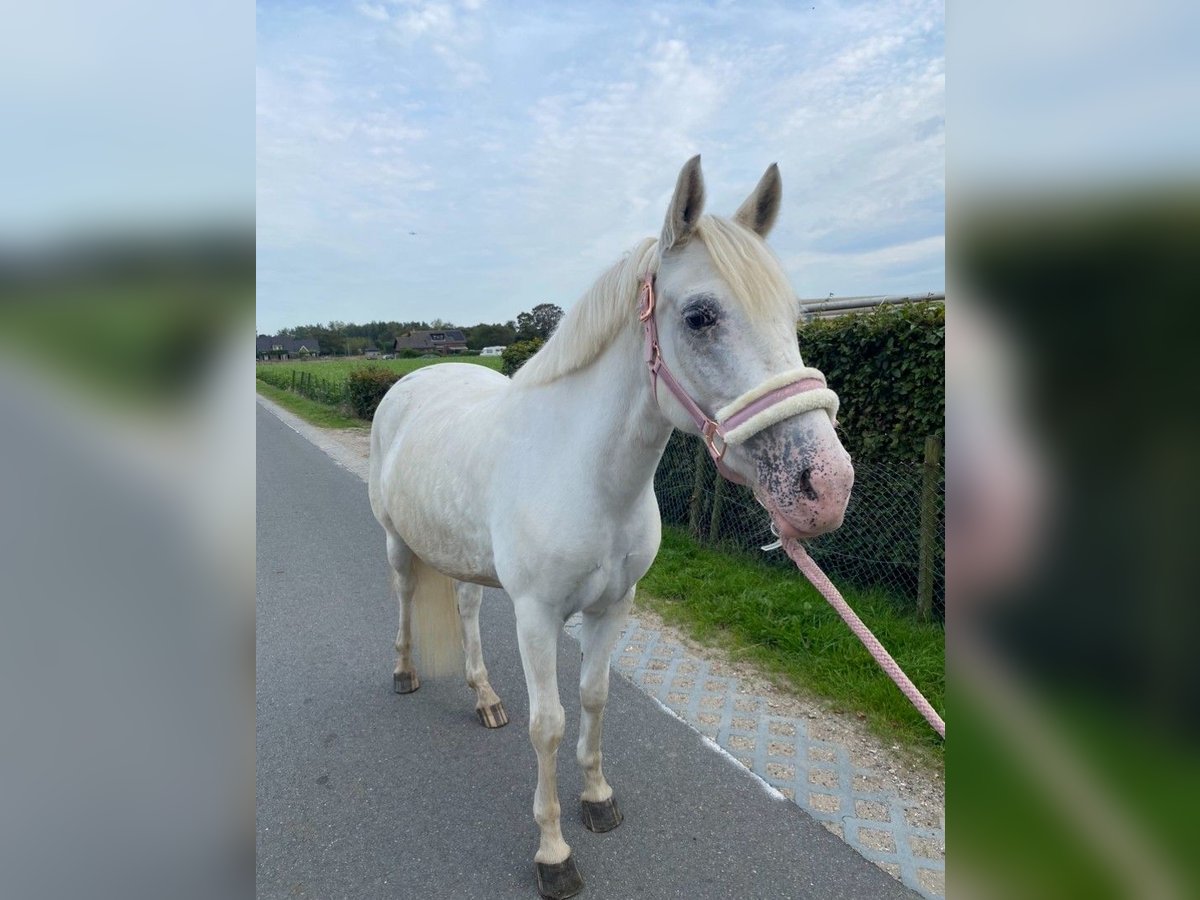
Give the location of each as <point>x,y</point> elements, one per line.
<point>365,387</point>
<point>517,354</point>
<point>889,369</point>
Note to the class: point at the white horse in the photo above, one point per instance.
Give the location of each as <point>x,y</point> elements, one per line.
<point>543,485</point>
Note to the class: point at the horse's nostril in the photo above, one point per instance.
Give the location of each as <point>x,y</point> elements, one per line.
<point>806,485</point>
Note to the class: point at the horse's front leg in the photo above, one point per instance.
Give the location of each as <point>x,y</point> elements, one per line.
<point>537,636</point>
<point>598,635</point>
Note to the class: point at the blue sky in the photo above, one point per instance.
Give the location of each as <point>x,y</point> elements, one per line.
<point>467,160</point>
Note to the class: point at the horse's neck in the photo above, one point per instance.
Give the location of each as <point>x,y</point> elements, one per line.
<point>610,401</point>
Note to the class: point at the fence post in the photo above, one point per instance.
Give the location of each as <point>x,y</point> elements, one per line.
<point>698,477</point>
<point>293,380</point>
<point>714,523</point>
<point>929,481</point>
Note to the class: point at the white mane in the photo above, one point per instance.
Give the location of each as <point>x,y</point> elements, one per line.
<point>740,257</point>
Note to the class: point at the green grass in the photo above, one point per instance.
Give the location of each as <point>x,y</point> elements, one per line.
<point>776,619</point>
<point>339,369</point>
<point>309,410</point>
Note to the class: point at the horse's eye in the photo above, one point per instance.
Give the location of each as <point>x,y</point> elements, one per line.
<point>700,317</point>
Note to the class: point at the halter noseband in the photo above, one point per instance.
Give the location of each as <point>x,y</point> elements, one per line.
<point>775,399</point>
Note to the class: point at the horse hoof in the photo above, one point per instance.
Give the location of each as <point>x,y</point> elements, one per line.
<point>557,881</point>
<point>405,682</point>
<point>601,816</point>
<point>492,716</point>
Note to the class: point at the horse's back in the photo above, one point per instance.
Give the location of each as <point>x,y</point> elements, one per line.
<point>453,388</point>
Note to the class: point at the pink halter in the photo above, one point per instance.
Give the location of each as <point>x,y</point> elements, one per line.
<point>749,414</point>
<point>773,401</point>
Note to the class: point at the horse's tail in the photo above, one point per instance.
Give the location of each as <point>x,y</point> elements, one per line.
<point>436,626</point>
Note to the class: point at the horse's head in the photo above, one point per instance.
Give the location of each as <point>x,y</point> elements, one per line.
<point>726,322</point>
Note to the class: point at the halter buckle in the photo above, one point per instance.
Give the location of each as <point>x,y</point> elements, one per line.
<point>647,299</point>
<point>711,432</point>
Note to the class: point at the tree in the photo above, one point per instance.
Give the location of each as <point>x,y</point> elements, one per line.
<point>538,323</point>
<point>494,335</point>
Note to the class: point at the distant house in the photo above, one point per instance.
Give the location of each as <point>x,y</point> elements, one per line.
<point>283,347</point>
<point>370,352</point>
<point>449,340</point>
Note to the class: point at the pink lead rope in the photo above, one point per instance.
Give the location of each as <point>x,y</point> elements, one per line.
<point>821,582</point>
<point>711,431</point>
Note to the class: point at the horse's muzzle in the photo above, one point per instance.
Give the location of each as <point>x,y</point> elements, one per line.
<point>806,493</point>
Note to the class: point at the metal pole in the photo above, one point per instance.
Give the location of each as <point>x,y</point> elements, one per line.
<point>929,480</point>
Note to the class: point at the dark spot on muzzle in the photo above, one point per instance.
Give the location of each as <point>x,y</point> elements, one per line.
<point>783,461</point>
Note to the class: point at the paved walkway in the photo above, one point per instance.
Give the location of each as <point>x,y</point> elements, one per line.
<point>794,756</point>
<point>845,788</point>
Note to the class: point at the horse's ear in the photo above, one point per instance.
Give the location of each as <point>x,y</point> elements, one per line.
<point>761,208</point>
<point>686,206</point>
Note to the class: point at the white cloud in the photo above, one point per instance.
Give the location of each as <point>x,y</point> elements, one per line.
<point>375,11</point>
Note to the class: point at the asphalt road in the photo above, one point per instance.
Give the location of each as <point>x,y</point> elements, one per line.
<point>363,793</point>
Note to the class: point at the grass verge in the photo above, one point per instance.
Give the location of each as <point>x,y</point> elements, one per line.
<point>309,410</point>
<point>776,619</point>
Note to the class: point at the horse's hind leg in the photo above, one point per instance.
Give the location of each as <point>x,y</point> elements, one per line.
<point>404,678</point>
<point>598,635</point>
<point>487,705</point>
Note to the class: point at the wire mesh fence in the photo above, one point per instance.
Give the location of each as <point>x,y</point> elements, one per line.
<point>892,539</point>
<point>306,384</point>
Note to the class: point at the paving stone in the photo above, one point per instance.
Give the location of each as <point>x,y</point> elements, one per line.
<point>927,848</point>
<point>712,702</point>
<point>877,839</point>
<point>781,771</point>
<point>825,803</point>
<point>824,777</point>
<point>658,665</point>
<point>781,748</point>
<point>708,719</point>
<point>746,704</point>
<point>869,809</point>
<point>744,724</point>
<point>652,679</point>
<point>741,742</point>
<point>922,818</point>
<point>933,880</point>
<point>891,868</point>
<point>836,828</point>
<point>783,729</point>
<point>822,754</point>
<point>683,683</point>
